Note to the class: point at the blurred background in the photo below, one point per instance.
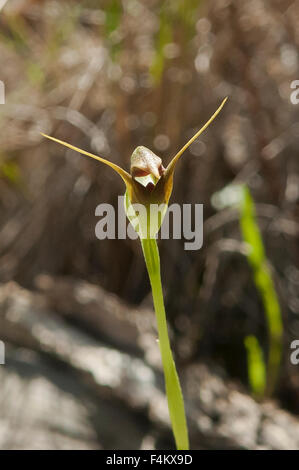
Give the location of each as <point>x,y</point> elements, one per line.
<point>82,362</point>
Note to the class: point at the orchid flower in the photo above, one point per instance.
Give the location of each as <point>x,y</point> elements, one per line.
<point>150,184</point>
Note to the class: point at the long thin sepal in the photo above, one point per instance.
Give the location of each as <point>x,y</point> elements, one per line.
<point>173,162</point>
<point>125,176</point>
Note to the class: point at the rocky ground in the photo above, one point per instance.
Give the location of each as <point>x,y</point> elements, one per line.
<point>82,372</point>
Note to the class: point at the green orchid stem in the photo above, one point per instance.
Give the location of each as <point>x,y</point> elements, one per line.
<point>173,388</point>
